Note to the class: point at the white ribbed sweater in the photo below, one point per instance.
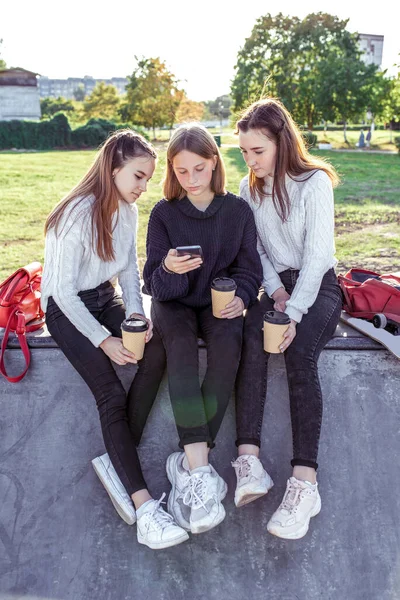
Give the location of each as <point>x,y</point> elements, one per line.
<point>304,242</point>
<point>71,265</point>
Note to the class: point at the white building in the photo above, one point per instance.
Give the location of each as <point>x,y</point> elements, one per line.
<point>372,48</point>
<point>19,95</point>
<point>54,88</point>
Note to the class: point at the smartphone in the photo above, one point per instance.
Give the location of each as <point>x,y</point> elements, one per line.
<point>192,251</point>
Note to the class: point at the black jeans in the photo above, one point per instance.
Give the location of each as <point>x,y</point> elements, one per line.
<point>198,410</point>
<point>122,416</point>
<point>312,334</point>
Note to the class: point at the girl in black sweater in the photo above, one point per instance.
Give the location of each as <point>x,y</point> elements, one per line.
<point>198,211</point>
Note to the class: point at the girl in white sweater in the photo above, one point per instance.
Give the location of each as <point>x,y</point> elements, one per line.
<point>91,241</point>
<point>291,195</point>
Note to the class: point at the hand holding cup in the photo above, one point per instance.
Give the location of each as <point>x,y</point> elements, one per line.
<point>234,309</point>
<point>114,349</point>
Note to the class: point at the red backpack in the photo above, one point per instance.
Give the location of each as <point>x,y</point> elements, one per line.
<point>368,294</point>
<point>20,310</point>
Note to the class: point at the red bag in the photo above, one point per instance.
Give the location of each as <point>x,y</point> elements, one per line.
<point>367,293</point>
<point>20,310</point>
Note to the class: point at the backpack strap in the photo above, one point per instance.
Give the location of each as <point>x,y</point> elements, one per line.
<point>20,331</point>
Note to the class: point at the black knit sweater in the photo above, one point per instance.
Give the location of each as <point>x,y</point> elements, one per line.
<point>227,234</point>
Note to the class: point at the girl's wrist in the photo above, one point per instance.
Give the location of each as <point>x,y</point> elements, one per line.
<point>164,266</point>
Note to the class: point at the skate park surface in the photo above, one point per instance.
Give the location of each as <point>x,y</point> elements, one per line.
<point>61,539</point>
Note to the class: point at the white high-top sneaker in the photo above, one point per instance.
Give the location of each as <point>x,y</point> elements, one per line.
<point>156,528</point>
<point>179,478</point>
<point>253,480</point>
<point>113,485</point>
<point>204,493</point>
<point>300,502</point>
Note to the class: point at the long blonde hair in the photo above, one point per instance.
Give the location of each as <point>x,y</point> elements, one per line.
<point>121,147</point>
<point>194,138</point>
<point>292,157</point>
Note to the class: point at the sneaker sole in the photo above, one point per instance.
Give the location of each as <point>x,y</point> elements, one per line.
<point>250,497</point>
<point>203,528</point>
<point>172,494</point>
<point>101,472</point>
<point>301,532</point>
<point>162,545</point>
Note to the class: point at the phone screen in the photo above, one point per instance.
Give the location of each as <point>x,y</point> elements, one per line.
<point>192,251</point>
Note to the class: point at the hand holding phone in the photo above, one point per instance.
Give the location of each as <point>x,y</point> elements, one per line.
<point>183,262</point>
<point>192,251</point>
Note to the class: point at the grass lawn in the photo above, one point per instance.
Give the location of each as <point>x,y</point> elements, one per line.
<point>367,203</point>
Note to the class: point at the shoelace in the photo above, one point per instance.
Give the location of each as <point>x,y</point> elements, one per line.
<point>194,495</point>
<point>243,465</point>
<point>158,516</point>
<point>292,497</point>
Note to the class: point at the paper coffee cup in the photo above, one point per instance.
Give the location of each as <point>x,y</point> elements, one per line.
<point>133,335</point>
<point>275,325</point>
<point>222,292</point>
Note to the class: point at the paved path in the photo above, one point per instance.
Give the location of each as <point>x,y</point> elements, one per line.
<point>337,150</point>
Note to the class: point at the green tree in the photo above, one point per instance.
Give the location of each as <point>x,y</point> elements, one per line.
<point>189,110</point>
<point>390,112</point>
<point>103,102</point>
<point>313,65</point>
<point>50,106</point>
<point>79,93</point>
<point>2,62</point>
<point>220,108</point>
<point>153,95</point>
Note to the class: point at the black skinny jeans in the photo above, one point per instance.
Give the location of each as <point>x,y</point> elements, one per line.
<point>198,411</point>
<point>122,416</point>
<point>312,334</point>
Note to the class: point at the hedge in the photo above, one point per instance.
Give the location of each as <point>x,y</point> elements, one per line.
<point>57,133</point>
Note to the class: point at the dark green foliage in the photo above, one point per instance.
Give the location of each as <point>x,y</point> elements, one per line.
<point>50,106</point>
<point>96,131</point>
<point>44,135</point>
<point>56,133</point>
<point>313,65</point>
<point>397,142</point>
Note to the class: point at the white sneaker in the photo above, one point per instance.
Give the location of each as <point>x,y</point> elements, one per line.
<point>179,478</point>
<point>204,493</point>
<point>253,480</point>
<point>300,502</point>
<point>157,529</point>
<point>119,496</point>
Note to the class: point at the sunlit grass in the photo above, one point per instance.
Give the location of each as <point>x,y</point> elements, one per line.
<point>367,202</point>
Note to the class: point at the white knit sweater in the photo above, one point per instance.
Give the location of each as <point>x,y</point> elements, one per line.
<point>304,242</point>
<point>71,265</point>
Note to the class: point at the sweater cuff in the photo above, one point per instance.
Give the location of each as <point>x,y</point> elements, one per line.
<point>272,285</point>
<point>294,314</point>
<point>98,336</point>
<point>134,308</point>
<point>241,293</point>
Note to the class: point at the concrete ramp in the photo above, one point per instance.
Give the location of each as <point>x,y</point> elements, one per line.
<point>60,537</point>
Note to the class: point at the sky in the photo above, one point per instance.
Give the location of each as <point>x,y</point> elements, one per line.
<point>199,40</point>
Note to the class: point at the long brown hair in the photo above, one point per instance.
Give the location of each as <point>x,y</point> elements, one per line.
<point>292,157</point>
<point>121,147</point>
<point>194,138</point>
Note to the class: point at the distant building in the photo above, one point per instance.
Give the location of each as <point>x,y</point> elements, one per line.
<point>54,88</point>
<point>19,95</point>
<point>372,48</point>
